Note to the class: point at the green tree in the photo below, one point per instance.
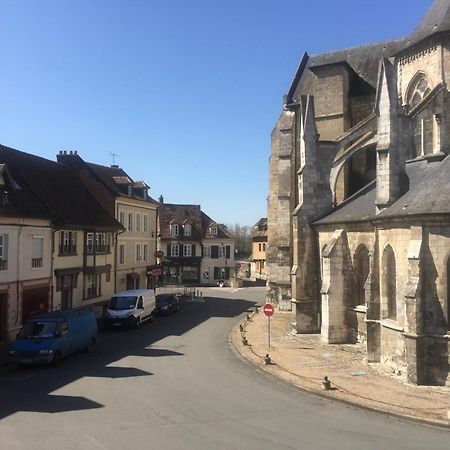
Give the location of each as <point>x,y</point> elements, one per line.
<point>243,240</point>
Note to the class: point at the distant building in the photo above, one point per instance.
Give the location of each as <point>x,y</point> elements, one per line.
<point>197,250</point>
<point>129,202</point>
<point>259,244</point>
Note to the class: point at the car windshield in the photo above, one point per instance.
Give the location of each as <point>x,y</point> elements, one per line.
<point>122,303</point>
<point>38,329</point>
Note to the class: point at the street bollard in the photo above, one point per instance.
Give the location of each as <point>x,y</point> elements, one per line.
<point>249,317</point>
<point>326,385</point>
<point>256,310</point>
<point>244,341</point>
<point>241,328</point>
<point>267,360</point>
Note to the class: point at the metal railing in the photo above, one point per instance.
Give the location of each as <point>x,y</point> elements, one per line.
<point>179,290</point>
<point>69,249</point>
<point>36,263</point>
<point>90,249</point>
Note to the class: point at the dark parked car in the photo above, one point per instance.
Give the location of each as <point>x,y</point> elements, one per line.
<point>166,304</point>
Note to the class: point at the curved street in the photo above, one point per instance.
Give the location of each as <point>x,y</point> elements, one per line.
<point>176,384</point>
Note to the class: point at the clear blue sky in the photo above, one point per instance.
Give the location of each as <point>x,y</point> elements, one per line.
<point>185,91</point>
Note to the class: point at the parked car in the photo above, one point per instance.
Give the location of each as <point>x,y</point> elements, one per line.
<point>130,308</point>
<point>49,337</point>
<point>166,304</point>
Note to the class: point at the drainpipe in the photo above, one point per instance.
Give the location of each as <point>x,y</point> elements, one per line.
<point>18,274</point>
<point>52,265</point>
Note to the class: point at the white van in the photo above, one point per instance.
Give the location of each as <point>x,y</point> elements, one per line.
<point>131,308</point>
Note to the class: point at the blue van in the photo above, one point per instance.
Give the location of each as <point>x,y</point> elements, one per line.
<point>49,337</point>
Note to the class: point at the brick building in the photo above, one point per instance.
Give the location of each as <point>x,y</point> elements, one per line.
<point>359,203</point>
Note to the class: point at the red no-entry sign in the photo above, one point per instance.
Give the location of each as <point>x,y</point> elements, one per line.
<point>268,309</point>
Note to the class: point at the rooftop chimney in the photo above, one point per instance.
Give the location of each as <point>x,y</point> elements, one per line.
<point>161,199</point>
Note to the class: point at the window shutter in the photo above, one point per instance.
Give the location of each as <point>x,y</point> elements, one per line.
<point>168,254</point>
<point>37,247</point>
<point>228,251</point>
<point>193,249</point>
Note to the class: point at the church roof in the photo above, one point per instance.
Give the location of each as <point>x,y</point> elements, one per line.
<point>429,193</point>
<point>436,20</point>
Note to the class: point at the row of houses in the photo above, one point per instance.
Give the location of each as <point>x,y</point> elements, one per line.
<point>72,233</point>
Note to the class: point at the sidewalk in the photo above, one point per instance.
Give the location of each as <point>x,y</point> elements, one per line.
<point>304,360</point>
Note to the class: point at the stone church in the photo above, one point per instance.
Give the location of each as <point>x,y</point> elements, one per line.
<point>359,203</point>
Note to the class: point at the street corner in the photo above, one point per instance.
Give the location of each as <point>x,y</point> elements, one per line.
<point>338,372</point>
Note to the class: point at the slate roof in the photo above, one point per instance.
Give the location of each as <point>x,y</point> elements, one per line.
<point>360,207</point>
<point>181,214</point>
<point>363,59</point>
<point>260,228</point>
<point>19,200</point>
<point>53,191</point>
<point>117,180</point>
<point>222,231</point>
<point>429,193</point>
<point>436,20</point>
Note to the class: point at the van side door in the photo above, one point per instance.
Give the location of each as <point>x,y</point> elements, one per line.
<point>140,309</point>
<point>62,338</point>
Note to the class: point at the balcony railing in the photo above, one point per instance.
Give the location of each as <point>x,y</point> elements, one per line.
<point>90,249</point>
<point>3,264</point>
<point>68,249</point>
<point>36,263</point>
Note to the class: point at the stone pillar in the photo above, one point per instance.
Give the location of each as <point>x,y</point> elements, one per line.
<point>415,345</point>
<point>372,297</point>
<point>390,150</point>
<point>334,328</point>
<point>305,289</point>
<point>278,254</point>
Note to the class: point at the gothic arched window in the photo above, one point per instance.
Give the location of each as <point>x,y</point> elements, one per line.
<point>423,121</point>
<point>418,90</point>
<point>389,283</point>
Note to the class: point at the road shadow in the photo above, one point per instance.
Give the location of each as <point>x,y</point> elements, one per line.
<point>33,393</point>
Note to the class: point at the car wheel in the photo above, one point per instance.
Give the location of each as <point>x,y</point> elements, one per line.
<point>56,360</point>
<point>91,345</point>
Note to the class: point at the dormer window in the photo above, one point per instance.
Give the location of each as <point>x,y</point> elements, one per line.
<point>187,229</point>
<point>174,229</point>
<point>213,230</point>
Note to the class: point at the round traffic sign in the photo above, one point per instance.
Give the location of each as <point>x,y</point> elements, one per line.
<point>268,309</point>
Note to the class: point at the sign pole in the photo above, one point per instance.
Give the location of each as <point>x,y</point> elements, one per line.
<point>268,311</point>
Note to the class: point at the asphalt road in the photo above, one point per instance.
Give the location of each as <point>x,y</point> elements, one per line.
<point>176,384</point>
